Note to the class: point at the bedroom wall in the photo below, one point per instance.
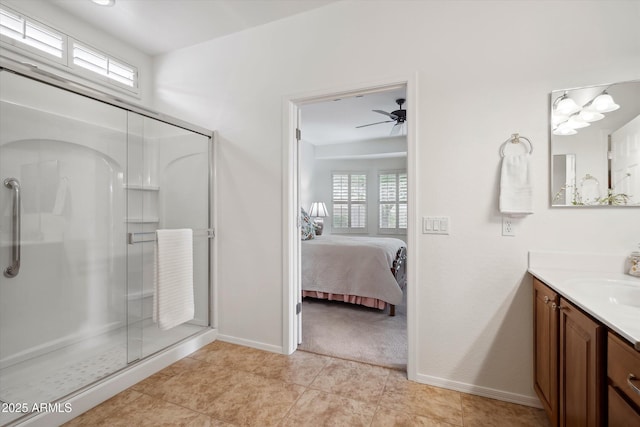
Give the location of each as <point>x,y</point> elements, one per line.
<point>322,185</point>
<point>484,71</point>
<point>307,170</point>
<point>47,13</point>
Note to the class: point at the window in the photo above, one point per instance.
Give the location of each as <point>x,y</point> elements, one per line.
<point>393,202</point>
<point>28,37</point>
<point>104,65</point>
<point>349,202</point>
<point>31,35</point>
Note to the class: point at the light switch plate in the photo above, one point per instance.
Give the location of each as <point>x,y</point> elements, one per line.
<point>436,225</point>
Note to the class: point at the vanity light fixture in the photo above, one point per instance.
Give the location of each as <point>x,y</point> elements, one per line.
<point>565,106</point>
<point>603,103</point>
<point>104,2</point>
<point>564,129</point>
<point>590,116</point>
<point>575,122</point>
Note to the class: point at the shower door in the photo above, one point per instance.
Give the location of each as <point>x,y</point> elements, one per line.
<point>63,249</point>
<point>167,188</point>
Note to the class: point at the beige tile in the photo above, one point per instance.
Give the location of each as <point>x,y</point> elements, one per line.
<point>481,411</point>
<point>152,412</point>
<point>388,418</point>
<point>113,405</point>
<point>182,365</point>
<point>151,384</point>
<point>231,356</point>
<point>317,408</point>
<point>254,400</point>
<point>402,395</point>
<point>197,389</point>
<point>352,379</point>
<point>299,368</point>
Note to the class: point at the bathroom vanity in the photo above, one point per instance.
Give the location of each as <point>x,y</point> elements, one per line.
<point>586,343</point>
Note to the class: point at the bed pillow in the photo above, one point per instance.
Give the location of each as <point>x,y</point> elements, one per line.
<point>307,229</point>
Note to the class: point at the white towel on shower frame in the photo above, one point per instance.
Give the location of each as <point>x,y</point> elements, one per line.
<point>516,190</point>
<point>173,302</point>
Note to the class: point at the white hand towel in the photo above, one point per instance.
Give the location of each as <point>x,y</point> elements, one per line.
<point>516,191</point>
<point>173,297</point>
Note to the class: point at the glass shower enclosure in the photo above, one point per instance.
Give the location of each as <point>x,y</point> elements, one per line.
<point>84,185</point>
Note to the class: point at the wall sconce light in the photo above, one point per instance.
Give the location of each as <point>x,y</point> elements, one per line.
<point>567,116</point>
<point>603,103</point>
<point>318,211</point>
<point>565,106</point>
<point>563,129</point>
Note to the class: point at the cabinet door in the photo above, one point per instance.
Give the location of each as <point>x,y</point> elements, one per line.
<point>545,346</point>
<point>581,344</point>
<point>621,414</point>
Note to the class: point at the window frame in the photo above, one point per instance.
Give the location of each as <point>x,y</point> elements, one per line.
<point>94,75</point>
<point>397,229</point>
<point>66,62</point>
<point>27,48</point>
<point>349,203</point>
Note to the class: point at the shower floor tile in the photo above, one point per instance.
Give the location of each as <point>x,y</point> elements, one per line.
<point>56,374</point>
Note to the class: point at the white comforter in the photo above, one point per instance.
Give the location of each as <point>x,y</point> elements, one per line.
<point>351,265</point>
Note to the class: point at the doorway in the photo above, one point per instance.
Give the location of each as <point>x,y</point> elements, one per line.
<point>381,149</point>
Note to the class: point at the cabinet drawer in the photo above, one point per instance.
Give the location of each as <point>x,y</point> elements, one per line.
<point>620,413</point>
<point>623,361</point>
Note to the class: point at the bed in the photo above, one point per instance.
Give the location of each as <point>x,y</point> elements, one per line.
<point>369,271</point>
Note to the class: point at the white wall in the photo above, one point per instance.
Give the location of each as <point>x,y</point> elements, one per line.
<point>51,15</point>
<point>485,70</point>
<point>307,165</point>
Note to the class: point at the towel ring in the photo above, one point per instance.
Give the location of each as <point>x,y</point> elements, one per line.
<point>516,139</point>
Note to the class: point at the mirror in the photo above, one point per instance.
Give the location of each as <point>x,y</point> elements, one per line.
<point>595,145</point>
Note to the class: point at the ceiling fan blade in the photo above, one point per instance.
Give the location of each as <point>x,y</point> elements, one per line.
<point>393,116</point>
<point>377,123</point>
<point>399,129</point>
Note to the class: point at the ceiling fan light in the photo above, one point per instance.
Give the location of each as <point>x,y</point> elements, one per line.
<point>604,103</point>
<point>590,116</point>
<point>566,106</point>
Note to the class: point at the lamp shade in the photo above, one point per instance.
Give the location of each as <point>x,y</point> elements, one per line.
<point>566,106</point>
<point>590,116</point>
<point>318,209</point>
<point>604,103</point>
<point>563,130</point>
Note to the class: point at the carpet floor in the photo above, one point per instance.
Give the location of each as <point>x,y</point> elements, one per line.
<point>354,332</point>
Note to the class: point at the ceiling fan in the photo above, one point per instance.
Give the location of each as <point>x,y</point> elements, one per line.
<point>399,116</point>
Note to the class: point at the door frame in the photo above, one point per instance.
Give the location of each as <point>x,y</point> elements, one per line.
<point>290,205</point>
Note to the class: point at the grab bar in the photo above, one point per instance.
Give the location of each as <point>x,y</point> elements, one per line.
<point>14,268</point>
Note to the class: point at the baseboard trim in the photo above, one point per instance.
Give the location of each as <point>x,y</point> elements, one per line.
<point>252,344</point>
<point>477,390</point>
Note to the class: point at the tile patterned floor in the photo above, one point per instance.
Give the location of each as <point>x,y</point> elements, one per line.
<point>224,384</point>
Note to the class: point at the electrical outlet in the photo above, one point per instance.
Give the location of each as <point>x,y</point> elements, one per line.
<point>507,226</point>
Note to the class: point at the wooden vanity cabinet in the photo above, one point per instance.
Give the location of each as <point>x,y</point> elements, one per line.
<point>582,344</point>
<point>545,348</point>
<point>623,369</point>
<point>568,361</point>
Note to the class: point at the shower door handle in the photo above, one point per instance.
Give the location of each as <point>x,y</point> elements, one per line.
<point>14,268</point>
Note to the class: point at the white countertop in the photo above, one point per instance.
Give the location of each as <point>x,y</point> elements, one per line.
<point>622,319</point>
